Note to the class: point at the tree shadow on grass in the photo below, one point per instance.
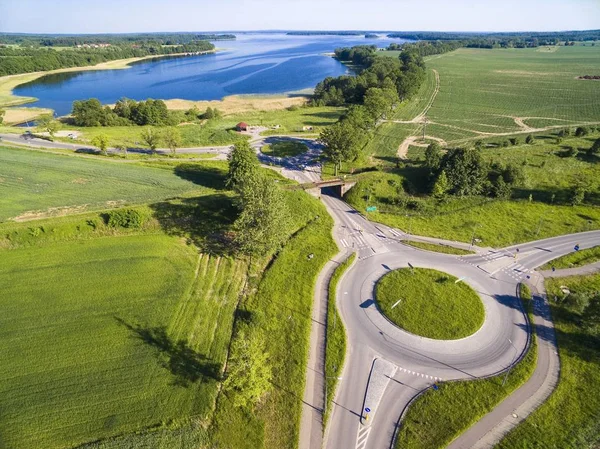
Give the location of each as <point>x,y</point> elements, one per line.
<point>203,220</point>
<point>203,175</point>
<point>185,364</point>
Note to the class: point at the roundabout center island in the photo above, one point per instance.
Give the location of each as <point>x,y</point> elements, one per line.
<point>430,303</point>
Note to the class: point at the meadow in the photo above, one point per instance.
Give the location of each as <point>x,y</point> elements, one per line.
<point>539,208</point>
<point>36,184</point>
<point>569,417</point>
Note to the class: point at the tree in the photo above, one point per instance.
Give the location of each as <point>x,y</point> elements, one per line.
<point>151,138</point>
<point>122,147</point>
<point>193,113</point>
<point>88,113</point>
<point>433,157</point>
<point>243,165</point>
<point>48,124</point>
<point>578,195</point>
<point>341,141</point>
<point>101,141</point>
<point>441,186</point>
<point>172,138</point>
<point>594,149</point>
<point>249,370</point>
<point>501,189</point>
<point>379,102</point>
<point>529,140</point>
<point>2,112</point>
<point>262,223</point>
<point>513,175</point>
<point>466,171</point>
<point>581,131</point>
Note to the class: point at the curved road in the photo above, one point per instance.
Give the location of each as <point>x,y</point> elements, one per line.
<point>421,362</point>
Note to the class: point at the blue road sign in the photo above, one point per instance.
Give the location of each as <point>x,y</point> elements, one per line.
<point>576,247</point>
<point>367,409</point>
<point>553,269</point>
<point>435,387</point>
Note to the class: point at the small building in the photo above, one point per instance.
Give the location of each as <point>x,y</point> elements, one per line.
<point>241,126</point>
<point>307,128</point>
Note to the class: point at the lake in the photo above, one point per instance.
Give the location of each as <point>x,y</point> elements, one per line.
<point>255,63</point>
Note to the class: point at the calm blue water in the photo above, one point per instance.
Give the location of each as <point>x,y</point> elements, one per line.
<point>253,64</point>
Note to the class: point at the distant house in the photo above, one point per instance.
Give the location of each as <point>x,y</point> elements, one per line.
<point>307,128</point>
<point>242,126</point>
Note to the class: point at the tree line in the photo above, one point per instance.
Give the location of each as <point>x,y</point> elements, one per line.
<point>25,60</point>
<point>542,37</point>
<point>127,112</point>
<point>370,96</point>
<point>48,40</point>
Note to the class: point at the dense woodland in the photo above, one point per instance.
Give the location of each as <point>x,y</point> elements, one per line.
<point>65,40</point>
<point>14,60</point>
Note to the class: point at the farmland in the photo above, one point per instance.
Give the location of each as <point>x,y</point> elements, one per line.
<point>38,184</point>
<point>122,336</point>
<point>491,96</point>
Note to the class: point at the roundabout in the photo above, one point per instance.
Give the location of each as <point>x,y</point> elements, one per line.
<point>430,303</point>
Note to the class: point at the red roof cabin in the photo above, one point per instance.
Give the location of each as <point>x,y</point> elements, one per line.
<point>242,126</point>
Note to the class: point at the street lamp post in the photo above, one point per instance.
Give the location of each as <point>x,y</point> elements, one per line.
<point>511,362</point>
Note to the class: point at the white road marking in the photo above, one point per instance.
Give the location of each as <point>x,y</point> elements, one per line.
<point>362,436</point>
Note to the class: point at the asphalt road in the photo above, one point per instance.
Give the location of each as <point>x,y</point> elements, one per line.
<point>422,362</point>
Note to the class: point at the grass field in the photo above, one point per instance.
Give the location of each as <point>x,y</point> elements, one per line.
<point>289,148</point>
<point>569,418</point>
<point>550,177</point>
<point>438,248</point>
<point>336,337</point>
<point>120,336</point>
<point>575,259</point>
<point>281,310</point>
<point>431,304</point>
<point>438,417</point>
<point>38,184</point>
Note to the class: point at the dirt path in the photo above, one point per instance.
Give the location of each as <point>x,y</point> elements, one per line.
<point>412,140</point>
<point>421,117</point>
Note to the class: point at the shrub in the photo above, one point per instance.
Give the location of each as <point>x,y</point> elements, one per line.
<point>125,218</point>
<point>529,139</point>
<point>514,141</point>
<point>582,131</point>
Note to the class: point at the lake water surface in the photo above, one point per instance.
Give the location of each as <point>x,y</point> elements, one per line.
<point>252,64</point>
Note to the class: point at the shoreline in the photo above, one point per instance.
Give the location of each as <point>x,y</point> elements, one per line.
<point>9,82</point>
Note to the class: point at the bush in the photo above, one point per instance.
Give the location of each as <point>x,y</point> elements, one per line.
<point>125,218</point>
<point>582,131</point>
<point>514,141</point>
<point>505,143</point>
<point>529,140</point>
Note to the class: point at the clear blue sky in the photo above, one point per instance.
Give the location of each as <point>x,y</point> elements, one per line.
<point>95,16</point>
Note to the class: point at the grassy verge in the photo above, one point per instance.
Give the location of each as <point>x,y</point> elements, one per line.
<point>438,248</point>
<point>429,303</point>
<point>336,337</point>
<point>438,417</point>
<point>280,309</point>
<point>285,149</point>
<point>569,418</point>
<point>575,259</point>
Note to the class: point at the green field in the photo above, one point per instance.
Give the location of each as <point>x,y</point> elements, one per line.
<point>37,184</point>
<point>549,179</point>
<point>485,90</point>
<point>431,304</point>
<point>114,335</point>
<point>569,417</point>
<point>575,259</point>
<point>289,148</point>
<point>438,417</point>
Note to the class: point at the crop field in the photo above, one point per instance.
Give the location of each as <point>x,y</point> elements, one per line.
<point>110,335</point>
<point>507,91</point>
<point>36,184</point>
